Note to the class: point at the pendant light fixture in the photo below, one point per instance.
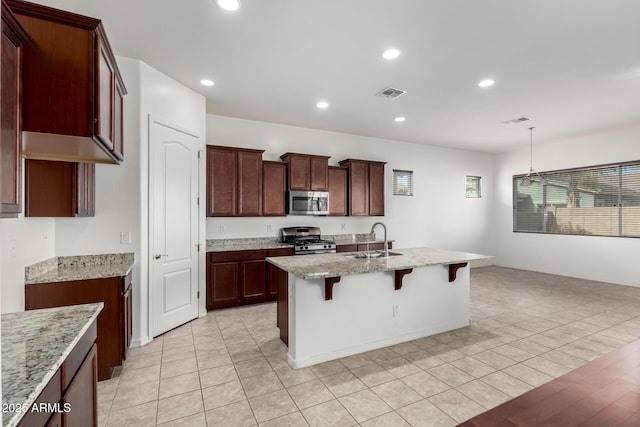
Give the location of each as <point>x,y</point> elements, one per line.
<point>532,176</point>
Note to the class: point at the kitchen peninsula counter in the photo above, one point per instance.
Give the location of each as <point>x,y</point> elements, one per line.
<point>35,345</point>
<point>338,305</point>
<point>82,267</point>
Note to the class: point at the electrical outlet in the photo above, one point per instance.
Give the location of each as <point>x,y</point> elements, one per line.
<point>45,239</point>
<point>396,312</point>
<point>222,229</point>
<point>268,228</point>
<point>343,227</point>
<point>13,248</point>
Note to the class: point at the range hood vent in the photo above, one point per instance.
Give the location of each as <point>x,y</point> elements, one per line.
<point>391,93</point>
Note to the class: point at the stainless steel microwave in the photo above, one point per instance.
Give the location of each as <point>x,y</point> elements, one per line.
<point>308,202</point>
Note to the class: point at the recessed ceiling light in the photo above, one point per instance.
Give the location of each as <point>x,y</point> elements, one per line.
<point>391,54</point>
<point>486,83</point>
<point>206,82</point>
<point>322,105</point>
<point>229,4</point>
<point>400,119</point>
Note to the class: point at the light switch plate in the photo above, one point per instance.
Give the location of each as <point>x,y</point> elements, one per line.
<point>125,237</point>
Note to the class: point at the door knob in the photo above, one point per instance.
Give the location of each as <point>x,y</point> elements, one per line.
<point>160,256</point>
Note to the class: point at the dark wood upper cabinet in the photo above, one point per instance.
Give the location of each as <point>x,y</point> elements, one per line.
<point>72,102</point>
<point>10,116</point>
<point>366,187</point>
<point>59,189</point>
<point>274,188</point>
<point>338,201</point>
<point>307,172</point>
<point>234,181</point>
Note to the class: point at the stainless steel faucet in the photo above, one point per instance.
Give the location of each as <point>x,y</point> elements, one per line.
<point>386,243</point>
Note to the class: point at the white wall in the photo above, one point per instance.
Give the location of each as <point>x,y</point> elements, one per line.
<point>437,216</point>
<point>607,259</point>
<point>34,240</point>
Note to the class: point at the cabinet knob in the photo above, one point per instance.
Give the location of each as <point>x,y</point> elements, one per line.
<point>160,256</point>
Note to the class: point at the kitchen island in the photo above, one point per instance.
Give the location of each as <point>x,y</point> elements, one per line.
<point>337,305</point>
<point>49,366</point>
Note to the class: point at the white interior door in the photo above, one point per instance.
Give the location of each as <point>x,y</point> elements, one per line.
<point>173,222</point>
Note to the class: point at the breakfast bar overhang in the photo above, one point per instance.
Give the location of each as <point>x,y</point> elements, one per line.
<point>337,305</point>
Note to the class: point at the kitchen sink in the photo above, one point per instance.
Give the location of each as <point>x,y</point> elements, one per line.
<point>371,254</point>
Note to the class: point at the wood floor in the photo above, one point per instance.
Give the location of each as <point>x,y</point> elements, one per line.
<point>604,392</point>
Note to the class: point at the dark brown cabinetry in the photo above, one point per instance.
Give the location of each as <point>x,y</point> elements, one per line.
<point>366,187</point>
<point>234,181</point>
<point>378,246</point>
<point>338,200</point>
<point>274,188</point>
<point>307,172</point>
<point>59,189</point>
<point>72,103</point>
<point>241,277</point>
<point>73,386</point>
<point>114,321</point>
<point>10,115</point>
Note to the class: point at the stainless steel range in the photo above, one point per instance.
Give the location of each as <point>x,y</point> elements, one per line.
<point>306,240</point>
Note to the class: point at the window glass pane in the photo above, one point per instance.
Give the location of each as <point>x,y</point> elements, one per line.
<point>473,187</point>
<point>402,183</point>
<point>597,201</point>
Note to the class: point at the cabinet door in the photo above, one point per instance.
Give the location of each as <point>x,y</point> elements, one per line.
<point>222,175</point>
<point>358,188</point>
<point>105,96</point>
<point>222,284</point>
<point>274,187</point>
<point>82,394</point>
<point>319,175</point>
<point>252,280</point>
<point>249,183</point>
<point>50,188</point>
<point>299,172</point>
<point>127,329</point>
<point>346,248</point>
<point>10,126</point>
<point>376,189</point>
<point>118,121</point>
<point>337,191</point>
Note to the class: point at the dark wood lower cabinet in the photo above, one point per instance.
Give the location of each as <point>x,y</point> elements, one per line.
<point>362,247</point>
<point>114,322</point>
<point>71,397</point>
<point>237,278</point>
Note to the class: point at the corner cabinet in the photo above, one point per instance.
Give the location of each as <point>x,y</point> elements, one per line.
<point>234,181</point>
<point>237,278</point>
<point>114,321</point>
<point>307,172</point>
<point>59,189</point>
<point>366,187</point>
<point>73,91</point>
<point>10,115</point>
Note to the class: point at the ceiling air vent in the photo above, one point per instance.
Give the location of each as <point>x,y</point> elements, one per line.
<point>391,93</point>
<point>517,120</point>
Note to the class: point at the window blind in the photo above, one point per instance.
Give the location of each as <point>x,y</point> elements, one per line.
<point>402,183</point>
<point>596,200</point>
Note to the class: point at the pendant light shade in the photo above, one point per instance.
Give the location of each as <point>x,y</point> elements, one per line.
<point>532,176</point>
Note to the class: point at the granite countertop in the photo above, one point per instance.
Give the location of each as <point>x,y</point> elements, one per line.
<point>256,243</point>
<point>68,268</point>
<point>34,345</point>
<point>341,264</point>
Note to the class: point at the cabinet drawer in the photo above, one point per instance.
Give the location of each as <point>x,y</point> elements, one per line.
<point>50,394</point>
<point>346,248</point>
<point>280,252</point>
<point>73,361</point>
<point>237,255</point>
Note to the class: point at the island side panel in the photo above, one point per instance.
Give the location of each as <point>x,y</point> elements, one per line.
<point>360,317</point>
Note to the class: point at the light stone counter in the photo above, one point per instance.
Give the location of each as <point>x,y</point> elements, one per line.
<point>341,264</point>
<point>34,345</point>
<point>245,244</point>
<point>85,267</point>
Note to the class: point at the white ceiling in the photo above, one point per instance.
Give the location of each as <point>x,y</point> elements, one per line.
<point>571,65</point>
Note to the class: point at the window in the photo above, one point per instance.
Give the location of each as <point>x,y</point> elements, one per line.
<point>473,187</point>
<point>402,183</point>
<point>597,201</point>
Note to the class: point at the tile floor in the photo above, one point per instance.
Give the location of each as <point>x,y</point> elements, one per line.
<point>229,368</point>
